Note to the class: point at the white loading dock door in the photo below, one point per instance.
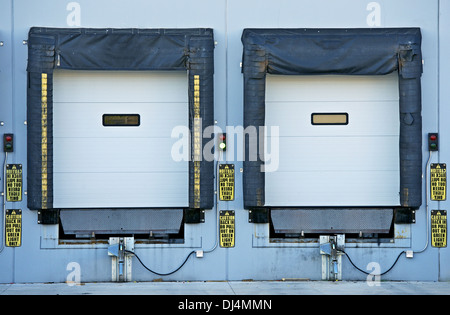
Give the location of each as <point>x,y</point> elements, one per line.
<point>334,165</point>
<point>98,166</point>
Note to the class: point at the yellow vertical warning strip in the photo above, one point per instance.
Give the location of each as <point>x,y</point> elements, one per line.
<point>197,141</point>
<point>44,135</point>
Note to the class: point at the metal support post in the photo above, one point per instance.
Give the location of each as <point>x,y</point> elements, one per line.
<point>331,257</point>
<point>121,261</point>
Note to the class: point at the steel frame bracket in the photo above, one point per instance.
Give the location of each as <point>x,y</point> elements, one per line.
<point>331,256</point>
<point>121,259</point>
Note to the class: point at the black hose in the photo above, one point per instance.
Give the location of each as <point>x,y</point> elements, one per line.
<point>160,274</point>
<point>368,273</point>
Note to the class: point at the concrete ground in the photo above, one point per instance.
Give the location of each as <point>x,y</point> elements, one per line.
<point>229,288</point>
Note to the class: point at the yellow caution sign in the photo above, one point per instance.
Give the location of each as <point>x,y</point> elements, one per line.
<point>226,182</point>
<point>13,182</point>
<point>439,228</point>
<point>197,141</point>
<point>13,227</point>
<point>226,228</point>
<point>438,178</point>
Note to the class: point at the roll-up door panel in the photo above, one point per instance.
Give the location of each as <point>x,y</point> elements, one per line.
<point>353,164</point>
<point>98,166</point>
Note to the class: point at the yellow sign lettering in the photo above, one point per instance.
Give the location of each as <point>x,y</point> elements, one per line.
<point>226,182</point>
<point>438,182</point>
<point>13,227</point>
<point>14,182</point>
<point>226,228</point>
<point>439,228</point>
